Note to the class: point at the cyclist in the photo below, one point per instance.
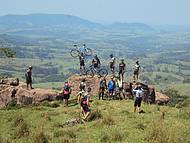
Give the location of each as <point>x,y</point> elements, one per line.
<point>66,92</point>
<point>85,106</point>
<point>112,63</point>
<point>121,68</point>
<point>139,92</point>
<point>111,88</point>
<point>136,70</point>
<point>102,88</point>
<point>82,65</point>
<point>82,87</point>
<point>96,62</point>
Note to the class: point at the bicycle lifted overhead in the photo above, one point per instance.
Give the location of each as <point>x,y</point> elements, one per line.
<point>76,52</point>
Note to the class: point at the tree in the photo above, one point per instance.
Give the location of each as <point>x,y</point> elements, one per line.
<point>7,52</point>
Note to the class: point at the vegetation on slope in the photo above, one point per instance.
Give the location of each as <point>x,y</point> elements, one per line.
<point>111,121</point>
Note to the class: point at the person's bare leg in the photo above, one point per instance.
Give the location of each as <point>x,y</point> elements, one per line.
<point>86,115</point>
<point>135,108</point>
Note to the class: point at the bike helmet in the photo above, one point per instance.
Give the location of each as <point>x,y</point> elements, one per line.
<point>30,67</point>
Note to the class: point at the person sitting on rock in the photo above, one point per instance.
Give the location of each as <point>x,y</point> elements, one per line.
<point>28,76</point>
<point>66,92</point>
<point>85,106</point>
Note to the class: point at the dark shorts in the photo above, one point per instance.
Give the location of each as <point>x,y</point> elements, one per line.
<point>85,108</point>
<point>28,80</point>
<point>121,71</point>
<point>112,65</point>
<point>110,90</point>
<point>120,89</point>
<point>82,63</point>
<point>136,72</point>
<point>102,89</point>
<point>66,96</point>
<point>138,101</point>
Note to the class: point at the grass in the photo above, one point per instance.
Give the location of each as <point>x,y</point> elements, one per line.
<point>111,121</point>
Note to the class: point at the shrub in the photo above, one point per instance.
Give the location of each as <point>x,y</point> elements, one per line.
<point>50,104</point>
<point>68,133</point>
<point>22,128</point>
<point>108,120</point>
<point>95,115</point>
<point>177,100</point>
<point>40,137</point>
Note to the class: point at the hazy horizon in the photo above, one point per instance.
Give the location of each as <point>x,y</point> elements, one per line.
<point>162,12</point>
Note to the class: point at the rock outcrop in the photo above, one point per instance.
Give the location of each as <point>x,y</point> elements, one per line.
<point>13,89</point>
<point>151,96</point>
<point>10,91</point>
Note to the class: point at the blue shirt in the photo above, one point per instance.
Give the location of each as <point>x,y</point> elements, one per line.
<point>111,85</point>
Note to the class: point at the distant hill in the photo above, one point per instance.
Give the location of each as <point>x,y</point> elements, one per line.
<point>131,27</point>
<point>39,20</point>
<point>61,21</point>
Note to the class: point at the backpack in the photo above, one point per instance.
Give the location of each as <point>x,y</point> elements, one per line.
<point>82,86</point>
<point>102,83</point>
<point>84,100</point>
<point>66,89</point>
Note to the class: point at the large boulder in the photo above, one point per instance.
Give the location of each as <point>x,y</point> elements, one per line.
<point>151,96</point>
<point>8,92</point>
<point>92,82</point>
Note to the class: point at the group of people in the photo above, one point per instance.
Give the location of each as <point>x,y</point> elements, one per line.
<point>112,64</point>
<point>83,97</point>
<point>112,88</point>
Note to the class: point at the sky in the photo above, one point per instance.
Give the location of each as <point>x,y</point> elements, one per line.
<point>158,12</point>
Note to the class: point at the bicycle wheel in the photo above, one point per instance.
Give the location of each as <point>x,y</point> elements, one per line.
<point>88,52</point>
<point>90,73</point>
<point>103,72</point>
<point>74,53</point>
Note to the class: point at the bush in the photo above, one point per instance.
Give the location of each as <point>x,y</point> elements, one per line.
<point>22,128</point>
<point>177,100</point>
<point>95,115</point>
<point>68,133</point>
<point>50,104</point>
<point>40,137</point>
<point>108,120</point>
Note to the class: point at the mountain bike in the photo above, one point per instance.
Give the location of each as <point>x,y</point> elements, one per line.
<point>76,52</point>
<point>91,71</point>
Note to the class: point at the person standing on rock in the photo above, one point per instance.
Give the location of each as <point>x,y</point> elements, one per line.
<point>28,76</point>
<point>136,71</point>
<point>112,64</point>
<point>66,92</point>
<point>82,65</point>
<point>121,69</point>
<point>138,92</point>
